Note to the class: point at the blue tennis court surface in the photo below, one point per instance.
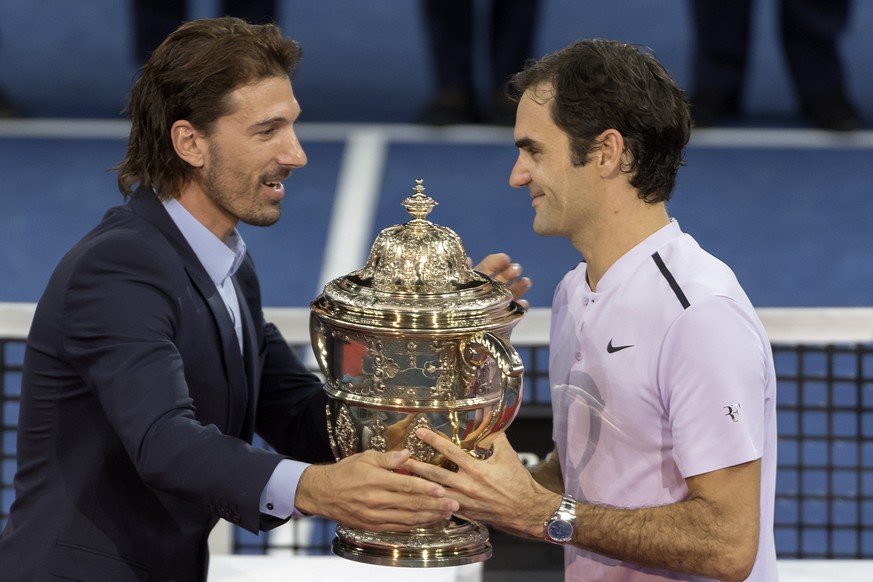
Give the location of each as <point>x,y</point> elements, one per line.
<point>792,219</point>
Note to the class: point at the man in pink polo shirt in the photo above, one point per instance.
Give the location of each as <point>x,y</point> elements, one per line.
<point>663,386</point>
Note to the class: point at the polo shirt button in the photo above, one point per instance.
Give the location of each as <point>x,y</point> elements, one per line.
<point>270,506</point>
<point>578,356</point>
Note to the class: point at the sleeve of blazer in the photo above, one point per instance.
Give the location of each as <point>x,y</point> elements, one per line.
<point>127,298</point>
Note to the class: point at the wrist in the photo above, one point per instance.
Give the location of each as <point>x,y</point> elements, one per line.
<point>560,527</point>
<point>304,500</point>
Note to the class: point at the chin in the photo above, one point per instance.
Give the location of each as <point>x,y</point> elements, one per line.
<point>263,219</point>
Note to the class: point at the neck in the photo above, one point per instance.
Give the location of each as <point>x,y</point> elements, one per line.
<point>617,232</point>
<point>205,210</point>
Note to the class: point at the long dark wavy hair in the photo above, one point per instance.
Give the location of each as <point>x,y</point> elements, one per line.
<point>598,84</point>
<point>190,76</point>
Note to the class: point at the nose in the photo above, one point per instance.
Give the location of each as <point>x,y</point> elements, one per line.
<point>519,177</point>
<point>292,153</point>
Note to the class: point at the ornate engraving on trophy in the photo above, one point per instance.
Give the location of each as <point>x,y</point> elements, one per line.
<point>346,437</point>
<point>419,450</point>
<point>331,441</point>
<point>378,442</point>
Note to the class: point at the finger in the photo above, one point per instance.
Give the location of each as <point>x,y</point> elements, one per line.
<point>391,461</point>
<point>444,446</point>
<point>432,472</point>
<point>493,263</point>
<point>386,500</point>
<point>508,273</point>
<point>395,483</point>
<point>519,287</point>
<point>421,508</point>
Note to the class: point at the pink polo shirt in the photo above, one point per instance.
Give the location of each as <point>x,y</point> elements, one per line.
<point>664,373</point>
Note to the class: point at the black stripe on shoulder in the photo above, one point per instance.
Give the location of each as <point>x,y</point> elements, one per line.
<point>673,284</point>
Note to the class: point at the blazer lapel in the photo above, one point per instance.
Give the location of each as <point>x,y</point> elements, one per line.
<point>250,359</point>
<point>233,361</point>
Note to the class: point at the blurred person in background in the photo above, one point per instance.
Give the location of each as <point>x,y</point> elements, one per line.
<point>809,31</point>
<point>451,34</point>
<point>7,108</point>
<point>155,19</point>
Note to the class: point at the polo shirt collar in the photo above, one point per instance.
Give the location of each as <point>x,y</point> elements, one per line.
<point>628,263</point>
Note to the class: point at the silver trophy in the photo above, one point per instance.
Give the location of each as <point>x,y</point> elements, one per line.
<point>416,338</point>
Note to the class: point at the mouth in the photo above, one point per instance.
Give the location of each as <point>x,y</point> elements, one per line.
<point>274,185</point>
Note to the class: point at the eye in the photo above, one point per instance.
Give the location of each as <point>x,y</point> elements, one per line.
<point>269,132</point>
<point>532,152</point>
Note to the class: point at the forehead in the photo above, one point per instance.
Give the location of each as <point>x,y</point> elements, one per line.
<point>534,117</point>
<point>264,98</point>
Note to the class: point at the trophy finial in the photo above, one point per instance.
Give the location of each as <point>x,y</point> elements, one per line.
<point>419,205</point>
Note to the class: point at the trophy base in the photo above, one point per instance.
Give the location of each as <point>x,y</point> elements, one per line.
<point>455,543</point>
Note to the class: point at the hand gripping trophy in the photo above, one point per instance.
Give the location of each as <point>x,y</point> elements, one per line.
<point>416,338</point>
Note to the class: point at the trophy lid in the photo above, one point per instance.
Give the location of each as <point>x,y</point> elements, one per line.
<point>417,278</point>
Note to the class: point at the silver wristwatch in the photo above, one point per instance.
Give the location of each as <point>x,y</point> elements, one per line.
<point>559,527</point>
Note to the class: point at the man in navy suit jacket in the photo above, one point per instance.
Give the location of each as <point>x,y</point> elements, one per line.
<point>149,365</point>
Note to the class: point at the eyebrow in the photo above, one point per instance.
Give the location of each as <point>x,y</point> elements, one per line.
<point>271,121</point>
<point>526,143</point>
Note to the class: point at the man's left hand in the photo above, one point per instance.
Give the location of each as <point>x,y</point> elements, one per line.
<point>500,267</point>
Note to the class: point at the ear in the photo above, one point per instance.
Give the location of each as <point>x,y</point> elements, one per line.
<point>188,143</point>
<point>610,155</point>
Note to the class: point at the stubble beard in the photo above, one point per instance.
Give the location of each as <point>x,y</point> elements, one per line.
<point>231,190</point>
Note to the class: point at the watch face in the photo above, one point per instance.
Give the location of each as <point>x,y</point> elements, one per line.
<point>560,531</point>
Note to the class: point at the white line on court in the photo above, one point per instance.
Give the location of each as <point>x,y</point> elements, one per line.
<point>65,128</point>
<point>464,134</point>
<point>354,205</point>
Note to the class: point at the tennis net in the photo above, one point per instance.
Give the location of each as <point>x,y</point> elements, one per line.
<point>824,366</point>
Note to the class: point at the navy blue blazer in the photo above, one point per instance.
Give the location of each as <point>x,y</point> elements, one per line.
<point>137,410</point>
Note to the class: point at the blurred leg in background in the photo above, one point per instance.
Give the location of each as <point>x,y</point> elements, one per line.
<point>155,19</point>
<point>810,29</point>
<point>809,32</point>
<point>7,107</point>
<point>513,24</point>
<point>721,35</point>
<point>451,34</point>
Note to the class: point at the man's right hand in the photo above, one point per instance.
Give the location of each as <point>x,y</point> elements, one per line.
<point>364,492</point>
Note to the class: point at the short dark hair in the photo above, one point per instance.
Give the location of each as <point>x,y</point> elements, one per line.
<point>190,76</point>
<point>598,84</point>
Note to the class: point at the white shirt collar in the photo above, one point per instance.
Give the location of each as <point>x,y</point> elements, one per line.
<point>627,263</point>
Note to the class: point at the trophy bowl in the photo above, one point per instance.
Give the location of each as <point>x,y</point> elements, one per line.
<point>416,338</point>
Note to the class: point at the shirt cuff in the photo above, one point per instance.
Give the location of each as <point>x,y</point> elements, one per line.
<point>277,498</point>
